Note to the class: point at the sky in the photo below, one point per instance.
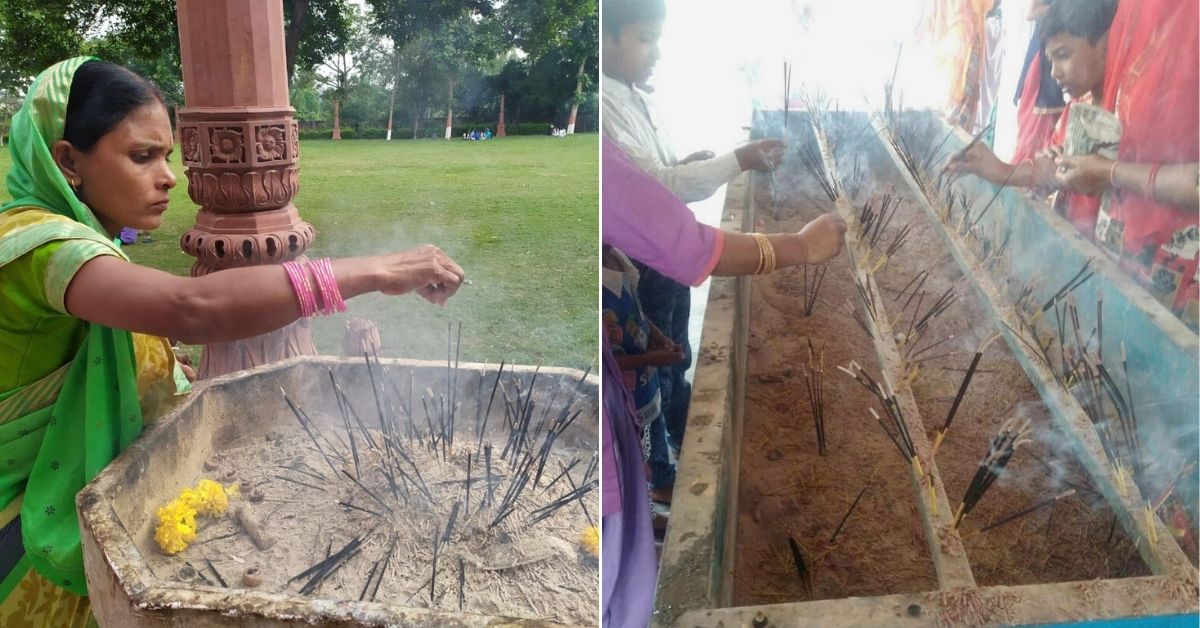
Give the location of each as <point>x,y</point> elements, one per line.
<point>722,59</point>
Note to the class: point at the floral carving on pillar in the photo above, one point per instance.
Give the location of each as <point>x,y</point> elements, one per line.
<point>226,145</point>
<point>270,143</point>
<point>190,142</point>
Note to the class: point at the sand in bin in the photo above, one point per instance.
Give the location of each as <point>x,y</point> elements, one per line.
<point>786,487</point>
<point>514,569</point>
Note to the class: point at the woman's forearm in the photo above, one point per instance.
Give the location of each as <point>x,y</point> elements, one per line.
<point>218,307</point>
<point>1176,185</point>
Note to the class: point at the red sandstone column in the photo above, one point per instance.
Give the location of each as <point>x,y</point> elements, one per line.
<point>240,146</point>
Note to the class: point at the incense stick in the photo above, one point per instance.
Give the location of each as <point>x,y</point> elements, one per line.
<point>1032,509</point>
<point>848,512</point>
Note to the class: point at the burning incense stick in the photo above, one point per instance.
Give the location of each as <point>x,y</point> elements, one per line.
<point>962,390</point>
<point>1071,285</point>
<point>1027,511</point>
<point>304,423</point>
<point>787,90</point>
<point>849,512</point>
<point>1012,435</point>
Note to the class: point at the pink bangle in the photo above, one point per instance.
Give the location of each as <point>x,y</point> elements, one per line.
<point>331,297</point>
<point>301,286</point>
<point>1150,180</point>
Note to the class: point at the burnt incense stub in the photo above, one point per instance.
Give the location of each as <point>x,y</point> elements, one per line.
<point>240,146</point>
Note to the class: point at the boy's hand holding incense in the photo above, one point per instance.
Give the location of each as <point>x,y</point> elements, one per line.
<point>978,160</point>
<point>663,357</point>
<point>762,155</point>
<point>700,155</point>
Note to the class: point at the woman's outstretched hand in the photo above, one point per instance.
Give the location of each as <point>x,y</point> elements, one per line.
<point>823,238</point>
<point>427,270</point>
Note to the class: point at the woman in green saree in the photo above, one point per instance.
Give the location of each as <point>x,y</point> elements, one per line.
<point>90,149</point>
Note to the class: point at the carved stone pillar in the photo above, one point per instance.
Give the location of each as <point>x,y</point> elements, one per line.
<point>240,145</point>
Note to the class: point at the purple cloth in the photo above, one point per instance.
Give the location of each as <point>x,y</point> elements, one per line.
<point>648,223</point>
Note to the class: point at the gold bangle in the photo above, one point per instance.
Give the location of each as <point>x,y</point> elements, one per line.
<point>766,254</point>
<point>762,256</point>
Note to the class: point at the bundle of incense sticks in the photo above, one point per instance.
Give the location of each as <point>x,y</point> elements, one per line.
<point>812,161</point>
<point>919,323</point>
<point>388,453</point>
<point>1074,282</point>
<point>873,221</point>
<point>803,571</point>
<point>810,296</point>
<point>898,431</point>
<point>962,390</point>
<point>813,376</point>
<point>856,177</point>
<point>1013,433</point>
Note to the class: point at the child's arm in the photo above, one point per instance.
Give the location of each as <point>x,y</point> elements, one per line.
<point>660,357</point>
<point>659,340</point>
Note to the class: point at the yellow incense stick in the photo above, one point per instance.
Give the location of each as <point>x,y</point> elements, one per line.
<point>937,441</point>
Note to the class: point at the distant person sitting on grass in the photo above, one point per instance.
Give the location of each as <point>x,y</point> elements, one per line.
<point>487,134</point>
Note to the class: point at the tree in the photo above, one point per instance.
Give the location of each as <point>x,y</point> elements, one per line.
<point>571,27</point>
<point>403,21</point>
<point>37,33</point>
<point>342,69</point>
<point>461,45</point>
<point>313,30</point>
<point>10,101</point>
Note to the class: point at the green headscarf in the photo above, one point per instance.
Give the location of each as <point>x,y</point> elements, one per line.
<point>97,414</point>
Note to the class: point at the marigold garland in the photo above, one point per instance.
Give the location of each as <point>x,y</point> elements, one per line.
<point>177,519</point>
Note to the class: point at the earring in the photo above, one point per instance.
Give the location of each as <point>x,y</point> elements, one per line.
<point>74,185</point>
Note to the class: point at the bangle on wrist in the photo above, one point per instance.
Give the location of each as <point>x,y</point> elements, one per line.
<point>298,277</point>
<point>1150,180</point>
<point>1112,175</point>
<point>766,254</point>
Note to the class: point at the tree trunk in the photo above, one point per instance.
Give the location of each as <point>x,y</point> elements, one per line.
<point>450,108</point>
<point>337,121</point>
<point>292,36</point>
<point>575,102</point>
<point>416,116</point>
<point>395,86</point>
<point>500,124</point>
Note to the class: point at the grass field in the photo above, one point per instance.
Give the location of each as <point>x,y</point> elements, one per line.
<point>519,214</point>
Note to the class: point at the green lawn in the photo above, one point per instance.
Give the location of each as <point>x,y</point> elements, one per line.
<point>520,214</point>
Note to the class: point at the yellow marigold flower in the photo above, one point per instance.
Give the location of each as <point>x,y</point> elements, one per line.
<point>208,498</point>
<point>214,501</point>
<point>176,526</point>
<point>589,540</point>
